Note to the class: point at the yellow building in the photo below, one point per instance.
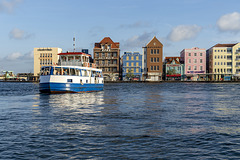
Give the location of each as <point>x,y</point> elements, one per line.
<point>45,57</point>
<point>224,61</point>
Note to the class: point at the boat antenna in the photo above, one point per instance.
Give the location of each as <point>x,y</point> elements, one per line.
<point>74,43</point>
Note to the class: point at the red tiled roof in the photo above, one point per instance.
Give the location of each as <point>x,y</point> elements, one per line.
<point>74,53</point>
<point>107,40</point>
<point>224,45</point>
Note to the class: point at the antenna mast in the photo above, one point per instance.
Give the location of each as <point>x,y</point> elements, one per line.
<point>74,44</point>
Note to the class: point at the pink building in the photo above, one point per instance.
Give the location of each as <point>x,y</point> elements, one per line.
<point>194,61</point>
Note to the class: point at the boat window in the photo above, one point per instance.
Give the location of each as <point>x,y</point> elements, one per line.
<point>81,82</point>
<point>65,71</point>
<point>77,72</point>
<point>99,74</point>
<point>45,71</point>
<point>72,71</point>
<point>57,71</point>
<point>86,81</point>
<point>69,80</point>
<point>94,74</point>
<point>84,73</point>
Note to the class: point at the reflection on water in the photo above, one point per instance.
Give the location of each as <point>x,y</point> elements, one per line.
<point>125,121</point>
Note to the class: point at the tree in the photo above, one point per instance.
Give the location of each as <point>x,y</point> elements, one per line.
<point>130,75</point>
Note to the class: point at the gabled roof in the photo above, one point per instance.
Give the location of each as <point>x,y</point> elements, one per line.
<point>107,40</point>
<point>154,39</point>
<point>169,60</point>
<point>225,45</point>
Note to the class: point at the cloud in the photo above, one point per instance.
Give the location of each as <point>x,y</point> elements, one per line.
<point>135,25</point>
<point>8,6</point>
<point>14,56</point>
<point>229,22</point>
<point>19,34</point>
<point>137,41</point>
<point>184,32</point>
<point>19,56</point>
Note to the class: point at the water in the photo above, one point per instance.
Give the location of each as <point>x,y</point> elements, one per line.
<point>125,121</point>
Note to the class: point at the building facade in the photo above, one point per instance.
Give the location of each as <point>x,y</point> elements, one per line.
<point>153,60</point>
<point>224,61</point>
<point>194,60</point>
<point>173,69</point>
<point>45,57</point>
<point>132,66</point>
<point>107,57</point>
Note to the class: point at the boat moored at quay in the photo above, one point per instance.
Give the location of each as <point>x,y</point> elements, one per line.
<point>76,75</point>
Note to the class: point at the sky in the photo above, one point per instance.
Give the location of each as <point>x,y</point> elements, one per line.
<point>178,24</point>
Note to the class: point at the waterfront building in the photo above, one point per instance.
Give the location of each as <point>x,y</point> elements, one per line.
<point>153,60</point>
<point>194,61</point>
<point>107,57</point>
<point>224,61</point>
<point>45,57</point>
<point>173,69</point>
<point>132,66</point>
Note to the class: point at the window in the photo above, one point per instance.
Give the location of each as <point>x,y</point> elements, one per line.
<point>157,67</point>
<point>151,59</point>
<point>127,58</point>
<point>200,60</point>
<point>189,54</point>
<point>195,68</point>
<point>189,60</point>
<point>201,68</point>
<point>154,68</point>
<point>157,59</point>
<point>151,67</point>
<point>137,64</point>
<point>195,60</point>
<point>154,51</point>
<point>127,64</point>
<point>154,59</point>
<point>151,51</point>
<point>132,58</point>
<point>69,80</point>
<point>195,54</point>
<point>189,68</point>
<point>137,58</point>
<point>157,51</point>
<point>132,64</point>
<point>200,54</point>
<point>40,54</point>
<point>137,70</point>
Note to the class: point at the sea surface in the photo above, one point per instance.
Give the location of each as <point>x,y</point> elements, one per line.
<point>125,121</point>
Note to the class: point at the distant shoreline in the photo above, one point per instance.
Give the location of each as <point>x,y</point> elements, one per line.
<point>140,81</point>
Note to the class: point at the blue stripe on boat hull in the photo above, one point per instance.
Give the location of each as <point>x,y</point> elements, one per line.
<point>69,87</point>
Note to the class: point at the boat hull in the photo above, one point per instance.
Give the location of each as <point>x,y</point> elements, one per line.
<point>52,87</point>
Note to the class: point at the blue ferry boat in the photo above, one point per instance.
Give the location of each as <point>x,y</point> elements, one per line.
<point>79,76</point>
